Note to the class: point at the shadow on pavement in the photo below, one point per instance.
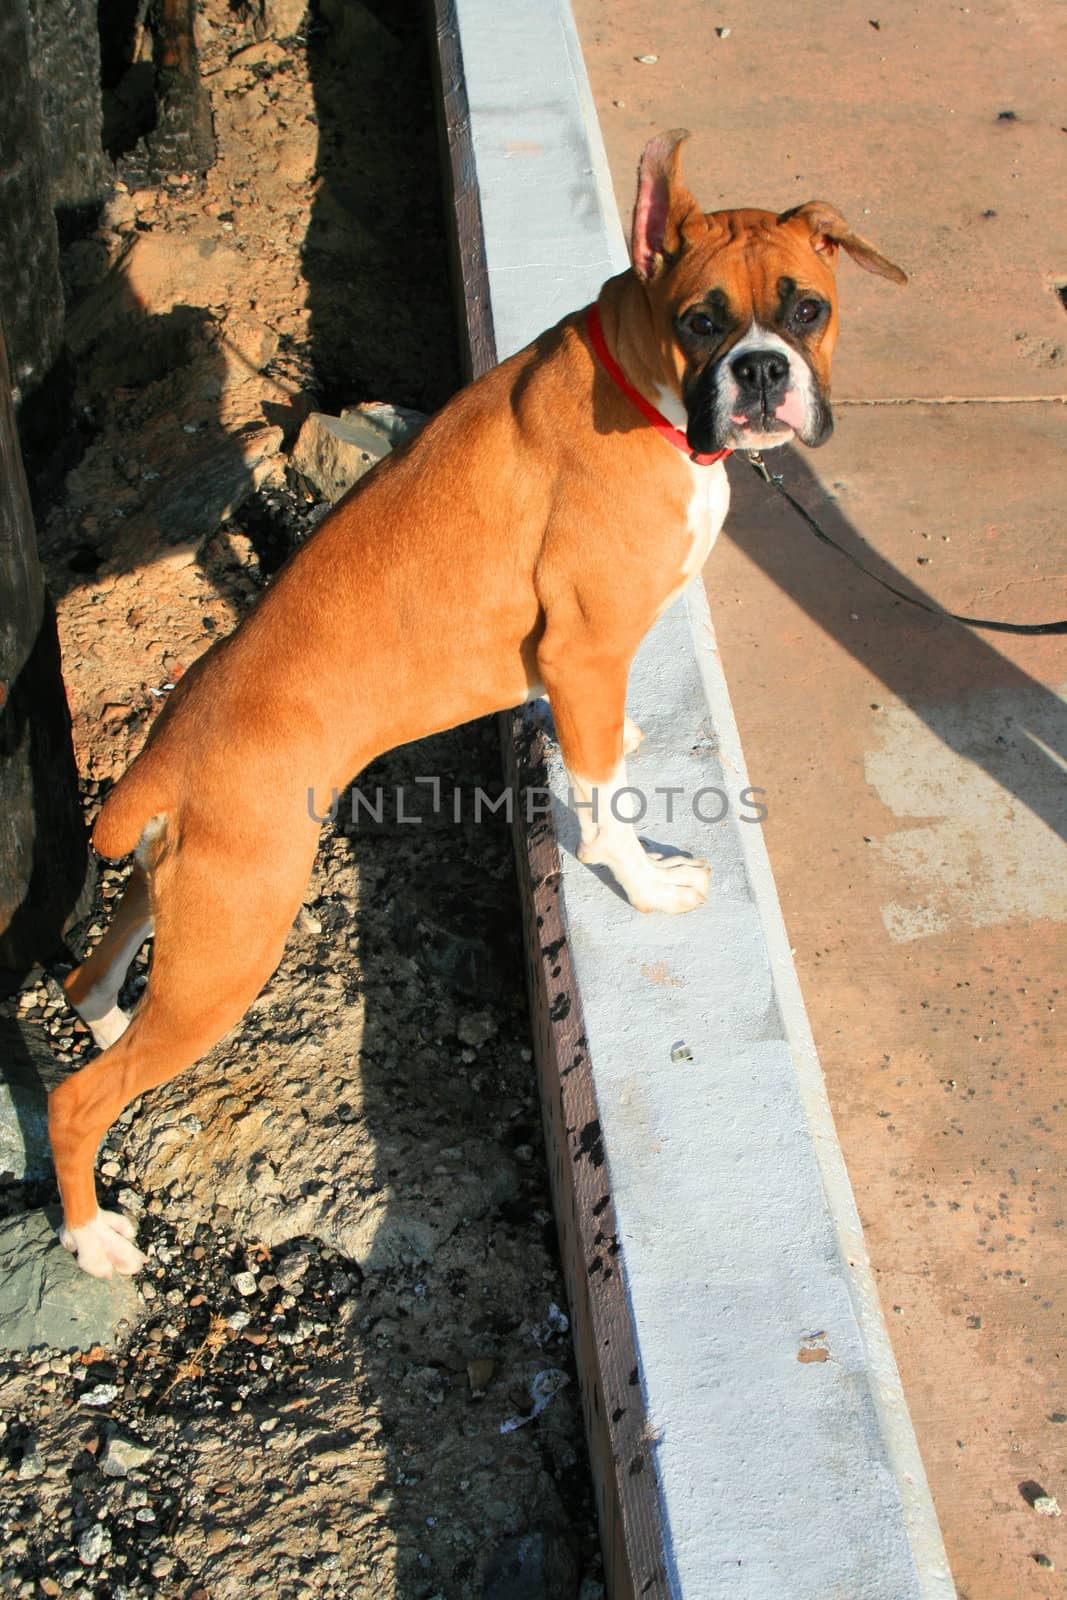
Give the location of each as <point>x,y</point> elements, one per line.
<point>920,659</point>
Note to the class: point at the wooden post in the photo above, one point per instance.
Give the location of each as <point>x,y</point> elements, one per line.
<point>43,857</point>
<point>183,139</point>
<point>31,292</point>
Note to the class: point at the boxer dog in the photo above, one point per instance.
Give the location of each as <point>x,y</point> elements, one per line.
<point>522,544</point>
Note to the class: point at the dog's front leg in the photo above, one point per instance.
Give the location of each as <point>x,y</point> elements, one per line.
<point>587,689</point>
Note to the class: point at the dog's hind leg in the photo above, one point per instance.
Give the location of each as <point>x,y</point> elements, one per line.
<point>218,939</point>
<point>93,988</point>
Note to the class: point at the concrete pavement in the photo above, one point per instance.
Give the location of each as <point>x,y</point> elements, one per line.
<point>914,771</point>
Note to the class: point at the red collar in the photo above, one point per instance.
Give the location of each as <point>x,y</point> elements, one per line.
<point>672,434</point>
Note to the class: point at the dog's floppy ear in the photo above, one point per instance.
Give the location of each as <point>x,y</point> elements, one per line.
<point>829,229</point>
<point>662,206</point>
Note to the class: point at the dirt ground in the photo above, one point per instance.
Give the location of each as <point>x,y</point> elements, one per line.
<point>353,1294</point>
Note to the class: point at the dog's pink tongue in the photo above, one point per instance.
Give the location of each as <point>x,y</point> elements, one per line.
<point>791,410</point>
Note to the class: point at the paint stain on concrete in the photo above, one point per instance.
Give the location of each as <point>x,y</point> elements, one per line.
<point>814,1347</point>
<point>982,784</point>
<point>658,972</point>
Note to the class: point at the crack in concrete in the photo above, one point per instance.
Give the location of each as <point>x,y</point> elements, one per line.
<point>960,400</point>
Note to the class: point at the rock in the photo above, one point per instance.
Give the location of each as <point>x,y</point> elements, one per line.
<point>46,1300</point>
<point>477,1028</point>
<point>291,1269</point>
<point>119,214</point>
<point>122,1454</point>
<point>94,1543</point>
<point>244,1283</point>
<point>479,1373</point>
<point>31,1466</point>
<point>267,53</point>
<point>30,1070</point>
<point>333,453</point>
<point>253,342</point>
<point>386,1235</point>
<point>537,1565</point>
<point>1046,1505</point>
<point>397,423</point>
<point>280,18</point>
<point>99,1396</point>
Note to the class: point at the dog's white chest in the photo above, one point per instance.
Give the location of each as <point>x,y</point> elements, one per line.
<point>706,513</point>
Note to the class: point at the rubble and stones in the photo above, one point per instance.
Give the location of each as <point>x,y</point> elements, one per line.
<point>358,1155</point>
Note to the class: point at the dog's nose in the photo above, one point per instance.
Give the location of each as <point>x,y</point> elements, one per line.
<point>761,370</point>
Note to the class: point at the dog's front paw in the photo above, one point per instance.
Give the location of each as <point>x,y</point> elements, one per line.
<point>651,881</point>
<point>671,883</point>
<point>104,1246</point>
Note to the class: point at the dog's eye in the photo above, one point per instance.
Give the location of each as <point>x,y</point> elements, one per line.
<point>701,324</point>
<point>807,312</point>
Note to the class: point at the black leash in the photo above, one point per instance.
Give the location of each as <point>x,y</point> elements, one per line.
<point>758,464</point>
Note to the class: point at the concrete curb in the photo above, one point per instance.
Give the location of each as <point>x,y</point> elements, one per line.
<point>747,1428</point>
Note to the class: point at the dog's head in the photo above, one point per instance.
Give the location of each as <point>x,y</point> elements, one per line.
<point>744,306</point>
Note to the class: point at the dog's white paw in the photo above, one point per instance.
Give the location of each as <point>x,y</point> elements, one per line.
<point>672,884</point>
<point>104,1246</point>
<point>651,881</point>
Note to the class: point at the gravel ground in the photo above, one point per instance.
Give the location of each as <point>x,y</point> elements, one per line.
<point>351,1374</point>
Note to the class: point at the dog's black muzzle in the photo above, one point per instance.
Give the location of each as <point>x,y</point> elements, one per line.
<point>762,378</point>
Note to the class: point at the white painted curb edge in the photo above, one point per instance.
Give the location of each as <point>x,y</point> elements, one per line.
<point>923,1529</point>
<point>738,1232</point>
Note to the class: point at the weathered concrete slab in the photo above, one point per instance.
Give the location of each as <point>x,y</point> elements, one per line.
<point>46,1302</point>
